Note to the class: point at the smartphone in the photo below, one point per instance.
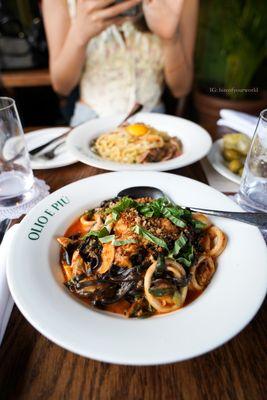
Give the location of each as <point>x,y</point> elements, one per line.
<point>132,12</point>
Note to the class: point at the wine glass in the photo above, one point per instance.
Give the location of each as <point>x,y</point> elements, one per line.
<point>16,177</point>
<point>252,194</point>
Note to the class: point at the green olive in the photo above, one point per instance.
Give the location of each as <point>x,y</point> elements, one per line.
<point>235,166</point>
<point>229,155</point>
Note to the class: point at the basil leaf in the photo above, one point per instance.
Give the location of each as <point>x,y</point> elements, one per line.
<point>109,221</point>
<point>187,257</point>
<point>112,239</point>
<point>185,262</point>
<point>153,208</point>
<point>115,215</point>
<point>107,239</point>
<point>101,233</point>
<point>178,245</point>
<point>150,237</point>
<point>122,205</point>
<point>146,211</point>
<point>123,242</point>
<point>160,267</point>
<point>176,221</point>
<point>178,212</point>
<point>91,233</point>
<point>198,224</point>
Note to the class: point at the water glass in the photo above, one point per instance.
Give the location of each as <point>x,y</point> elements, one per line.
<point>16,177</point>
<point>253,189</point>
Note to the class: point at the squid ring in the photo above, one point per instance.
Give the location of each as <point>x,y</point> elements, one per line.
<point>219,241</point>
<point>178,271</point>
<point>201,273</point>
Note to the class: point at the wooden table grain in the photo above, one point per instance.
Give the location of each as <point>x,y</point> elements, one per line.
<point>25,78</point>
<point>33,368</point>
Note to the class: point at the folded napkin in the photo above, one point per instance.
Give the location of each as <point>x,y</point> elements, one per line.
<point>6,301</point>
<point>238,121</point>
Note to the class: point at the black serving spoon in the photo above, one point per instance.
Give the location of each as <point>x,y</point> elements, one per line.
<point>254,218</point>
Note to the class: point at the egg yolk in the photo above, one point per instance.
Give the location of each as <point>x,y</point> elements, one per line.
<point>137,129</point>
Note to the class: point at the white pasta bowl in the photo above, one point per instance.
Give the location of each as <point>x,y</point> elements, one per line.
<point>196,141</point>
<point>227,305</point>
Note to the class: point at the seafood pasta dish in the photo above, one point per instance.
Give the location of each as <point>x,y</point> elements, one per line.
<point>137,144</point>
<point>140,257</point>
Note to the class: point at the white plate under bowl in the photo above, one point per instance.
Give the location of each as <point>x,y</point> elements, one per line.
<point>227,305</point>
<point>196,141</point>
<point>216,159</point>
<point>42,136</point>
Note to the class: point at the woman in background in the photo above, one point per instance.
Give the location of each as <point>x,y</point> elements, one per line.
<point>119,60</point>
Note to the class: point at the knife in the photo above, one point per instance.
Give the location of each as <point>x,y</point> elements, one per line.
<point>4,225</point>
<point>38,149</point>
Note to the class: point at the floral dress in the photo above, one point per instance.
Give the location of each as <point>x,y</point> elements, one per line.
<point>123,66</point>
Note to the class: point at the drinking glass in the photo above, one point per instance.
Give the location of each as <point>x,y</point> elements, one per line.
<point>16,177</point>
<point>253,189</point>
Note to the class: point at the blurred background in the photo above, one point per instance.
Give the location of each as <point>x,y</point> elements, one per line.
<point>230,63</point>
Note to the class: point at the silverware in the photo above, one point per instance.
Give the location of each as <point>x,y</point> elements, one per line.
<point>50,154</point>
<point>38,149</point>
<point>258,218</point>
<point>136,108</point>
<point>4,225</point>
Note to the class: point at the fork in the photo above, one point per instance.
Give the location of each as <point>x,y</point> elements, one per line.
<point>50,154</point>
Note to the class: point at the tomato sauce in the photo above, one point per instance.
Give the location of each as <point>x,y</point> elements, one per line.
<point>76,227</point>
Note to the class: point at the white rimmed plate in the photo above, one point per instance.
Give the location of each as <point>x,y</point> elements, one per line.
<point>196,141</point>
<point>227,305</point>
<point>63,156</point>
<point>216,159</point>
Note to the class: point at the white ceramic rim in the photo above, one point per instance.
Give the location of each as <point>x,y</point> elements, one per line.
<point>196,141</point>
<point>176,320</point>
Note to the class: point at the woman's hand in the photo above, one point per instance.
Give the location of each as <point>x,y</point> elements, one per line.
<point>163,16</point>
<point>94,16</point>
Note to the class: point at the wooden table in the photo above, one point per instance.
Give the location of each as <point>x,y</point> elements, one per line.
<point>25,78</point>
<point>33,368</point>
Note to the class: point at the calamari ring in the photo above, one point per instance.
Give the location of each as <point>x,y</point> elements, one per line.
<point>85,222</point>
<point>218,241</point>
<point>200,277</point>
<point>177,271</point>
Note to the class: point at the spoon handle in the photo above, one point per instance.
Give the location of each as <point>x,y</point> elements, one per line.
<point>257,218</point>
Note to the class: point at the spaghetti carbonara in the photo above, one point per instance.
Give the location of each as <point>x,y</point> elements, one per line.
<point>137,143</point>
